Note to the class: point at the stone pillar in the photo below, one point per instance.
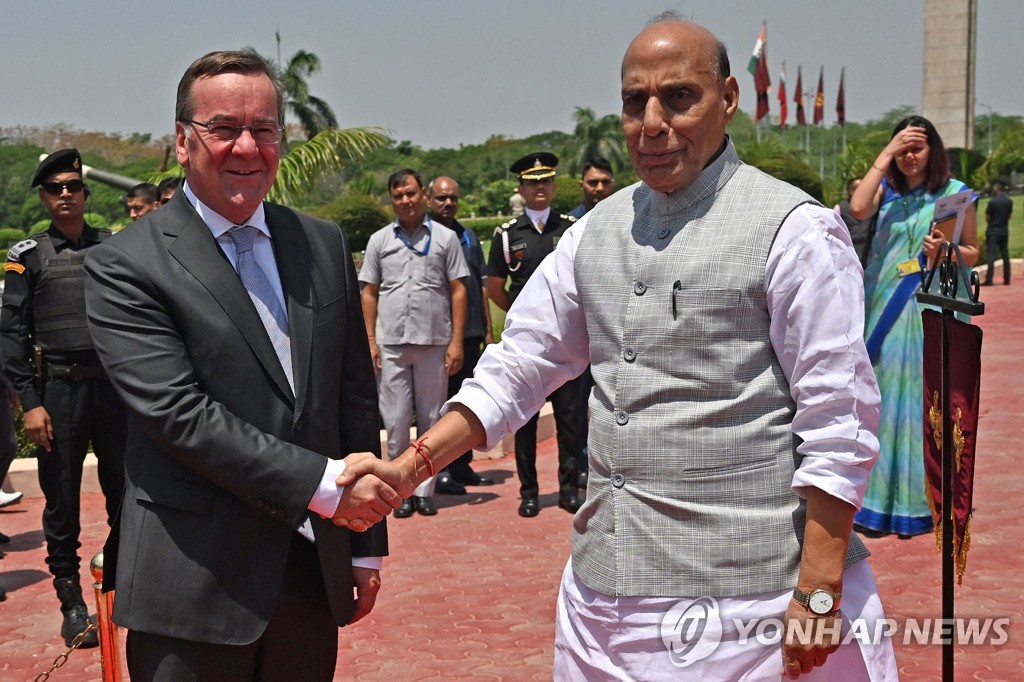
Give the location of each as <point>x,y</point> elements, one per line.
<point>950,36</point>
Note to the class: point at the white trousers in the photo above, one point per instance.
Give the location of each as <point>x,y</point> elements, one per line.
<point>598,637</point>
<point>411,377</point>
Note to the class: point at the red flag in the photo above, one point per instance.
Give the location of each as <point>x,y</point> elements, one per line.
<point>758,67</point>
<point>782,96</point>
<point>798,97</point>
<point>819,100</point>
<point>841,100</point>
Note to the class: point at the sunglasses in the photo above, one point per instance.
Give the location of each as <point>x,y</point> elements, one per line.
<point>57,188</point>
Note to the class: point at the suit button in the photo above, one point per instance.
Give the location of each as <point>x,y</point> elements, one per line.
<point>629,355</point>
<point>621,418</point>
<point>299,424</point>
<point>618,480</point>
<point>663,233</point>
<point>639,288</point>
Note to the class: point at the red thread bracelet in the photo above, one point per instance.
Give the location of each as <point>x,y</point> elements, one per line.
<point>419,447</point>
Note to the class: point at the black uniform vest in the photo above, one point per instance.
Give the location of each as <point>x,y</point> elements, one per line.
<point>58,302</point>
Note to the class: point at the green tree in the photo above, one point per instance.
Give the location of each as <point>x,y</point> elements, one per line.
<point>771,156</point>
<point>327,152</point>
<point>313,114</point>
<point>1006,157</point>
<point>359,215</point>
<point>595,136</point>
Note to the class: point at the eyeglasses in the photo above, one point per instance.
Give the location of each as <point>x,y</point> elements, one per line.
<point>223,131</point>
<point>57,188</point>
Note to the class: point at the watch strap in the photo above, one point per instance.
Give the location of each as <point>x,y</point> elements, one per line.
<point>804,599</point>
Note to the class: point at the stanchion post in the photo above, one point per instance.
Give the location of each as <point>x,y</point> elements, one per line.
<point>949,281</point>
<point>110,659</point>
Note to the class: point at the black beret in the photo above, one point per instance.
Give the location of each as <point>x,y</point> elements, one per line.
<point>536,166</point>
<point>62,161</point>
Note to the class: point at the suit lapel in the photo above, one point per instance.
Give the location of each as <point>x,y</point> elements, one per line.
<point>294,263</point>
<point>198,252</point>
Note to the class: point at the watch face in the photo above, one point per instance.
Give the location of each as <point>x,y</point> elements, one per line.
<point>821,602</point>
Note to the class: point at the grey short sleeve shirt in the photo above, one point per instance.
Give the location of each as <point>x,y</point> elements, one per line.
<point>414,303</point>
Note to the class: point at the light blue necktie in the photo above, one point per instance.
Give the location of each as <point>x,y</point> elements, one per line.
<point>271,312</point>
<point>268,305</point>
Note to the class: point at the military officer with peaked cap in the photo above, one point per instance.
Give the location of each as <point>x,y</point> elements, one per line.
<point>67,401</point>
<point>517,249</point>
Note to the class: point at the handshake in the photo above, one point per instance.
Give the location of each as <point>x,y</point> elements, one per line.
<point>373,489</point>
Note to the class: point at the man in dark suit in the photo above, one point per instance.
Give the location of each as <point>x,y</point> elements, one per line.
<point>517,249</point>
<point>245,388</point>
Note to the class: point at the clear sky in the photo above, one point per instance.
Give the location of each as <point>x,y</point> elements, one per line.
<point>444,73</point>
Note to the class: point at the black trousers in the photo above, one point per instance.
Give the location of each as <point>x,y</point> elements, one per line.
<point>472,349</point>
<point>82,412</point>
<point>996,239</point>
<point>300,642</point>
<point>565,402</point>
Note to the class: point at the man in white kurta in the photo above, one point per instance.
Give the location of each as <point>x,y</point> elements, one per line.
<point>734,410</point>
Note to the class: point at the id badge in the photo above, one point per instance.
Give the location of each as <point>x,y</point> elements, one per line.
<point>908,267</point>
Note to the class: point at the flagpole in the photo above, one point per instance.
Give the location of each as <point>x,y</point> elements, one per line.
<point>834,154</point>
<point>821,150</point>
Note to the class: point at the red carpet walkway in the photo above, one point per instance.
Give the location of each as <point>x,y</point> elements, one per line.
<point>469,594</point>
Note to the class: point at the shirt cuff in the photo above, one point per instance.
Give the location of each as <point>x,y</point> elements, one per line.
<point>328,494</point>
<point>374,562</point>
<point>846,481</point>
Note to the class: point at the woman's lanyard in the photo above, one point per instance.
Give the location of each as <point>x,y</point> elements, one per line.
<point>913,263</point>
<point>400,231</point>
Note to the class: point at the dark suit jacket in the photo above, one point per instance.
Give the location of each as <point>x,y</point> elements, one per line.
<point>221,460</point>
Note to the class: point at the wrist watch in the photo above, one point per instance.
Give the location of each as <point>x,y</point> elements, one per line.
<point>820,602</point>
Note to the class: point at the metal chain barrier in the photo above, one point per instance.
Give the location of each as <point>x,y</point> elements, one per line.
<point>63,658</point>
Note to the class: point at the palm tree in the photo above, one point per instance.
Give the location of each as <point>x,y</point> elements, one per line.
<point>595,136</point>
<point>325,153</point>
<point>313,113</point>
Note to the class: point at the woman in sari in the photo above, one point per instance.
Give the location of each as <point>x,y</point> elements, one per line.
<point>902,186</point>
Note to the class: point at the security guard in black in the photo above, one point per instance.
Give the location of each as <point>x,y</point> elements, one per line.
<point>68,403</point>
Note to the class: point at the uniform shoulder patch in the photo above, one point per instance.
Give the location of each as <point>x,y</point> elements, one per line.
<point>501,228</point>
<point>24,246</point>
<point>14,267</point>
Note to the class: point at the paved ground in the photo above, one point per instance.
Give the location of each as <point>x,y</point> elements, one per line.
<point>469,594</point>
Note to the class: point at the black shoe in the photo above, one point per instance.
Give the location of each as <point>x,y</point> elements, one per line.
<point>569,503</point>
<point>987,283</point>
<point>529,507</point>
<point>3,594</point>
<point>424,506</point>
<point>446,485</point>
<point>473,478</point>
<point>406,510</point>
<point>4,539</point>
<point>581,482</point>
<point>76,615</point>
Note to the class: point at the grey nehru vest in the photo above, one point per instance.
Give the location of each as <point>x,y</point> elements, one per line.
<point>692,453</point>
